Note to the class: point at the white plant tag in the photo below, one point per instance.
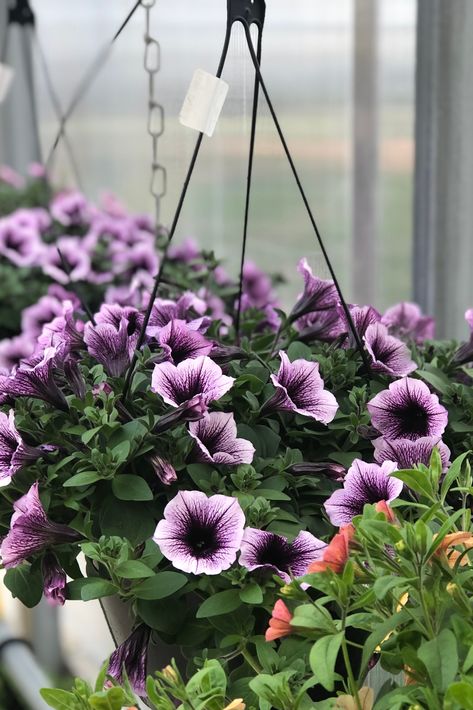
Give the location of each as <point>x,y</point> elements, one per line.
<point>203,102</point>
<point>6,78</point>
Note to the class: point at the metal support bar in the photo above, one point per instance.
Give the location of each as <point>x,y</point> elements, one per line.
<point>21,670</point>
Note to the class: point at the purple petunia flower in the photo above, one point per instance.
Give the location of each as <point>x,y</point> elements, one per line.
<point>408,410</point>
<point>217,442</point>
<point>320,325</point>
<point>318,295</point>
<point>164,470</point>
<point>188,307</point>
<point>54,580</point>
<point>387,353</point>
<point>301,389</point>
<point>110,346</point>
<point>31,530</point>
<point>36,218</point>
<point>35,378</point>
<point>364,483</point>
<point>14,453</point>
<point>185,252</point>
<point>407,453</point>
<point>20,244</point>
<point>265,550</point>
<point>11,177</point>
<point>405,320</point>
<point>201,535</point>
<point>132,655</point>
<point>70,208</point>
<point>178,384</point>
<point>63,331</point>
<point>362,317</point>
<point>36,316</point>
<point>257,286</point>
<point>66,261</point>
<point>180,342</point>
<point>14,350</point>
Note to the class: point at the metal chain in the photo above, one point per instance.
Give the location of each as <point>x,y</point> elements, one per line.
<point>152,65</point>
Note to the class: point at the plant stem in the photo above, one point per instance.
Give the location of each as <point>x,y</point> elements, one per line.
<point>351,677</point>
<point>251,661</point>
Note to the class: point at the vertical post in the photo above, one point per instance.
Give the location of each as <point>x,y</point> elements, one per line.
<point>443,212</point>
<point>365,150</point>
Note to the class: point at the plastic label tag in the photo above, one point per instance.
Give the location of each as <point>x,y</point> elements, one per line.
<point>203,102</point>
<point>6,78</point>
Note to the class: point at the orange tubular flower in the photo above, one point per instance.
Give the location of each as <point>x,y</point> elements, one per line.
<point>336,553</point>
<point>383,507</point>
<point>280,622</point>
<point>447,550</point>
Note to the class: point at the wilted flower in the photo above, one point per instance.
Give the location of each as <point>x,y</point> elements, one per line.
<point>54,580</point>
<point>364,483</point>
<point>199,534</point>
<point>261,549</point>
<point>164,470</point>
<point>300,389</point>
<point>14,453</point>
<point>132,655</point>
<point>35,378</point>
<point>279,623</point>
<point>216,438</point>
<point>408,410</point>
<point>177,384</point>
<point>405,320</point>
<point>335,555</point>
<point>387,353</point>
<point>31,531</point>
<point>180,342</point>
<point>407,453</point>
<point>319,295</point>
<point>66,261</point>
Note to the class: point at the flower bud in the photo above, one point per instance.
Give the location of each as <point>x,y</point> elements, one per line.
<point>164,470</point>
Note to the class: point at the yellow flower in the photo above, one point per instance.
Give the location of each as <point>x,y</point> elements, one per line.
<point>236,704</point>
<point>170,674</point>
<point>348,702</point>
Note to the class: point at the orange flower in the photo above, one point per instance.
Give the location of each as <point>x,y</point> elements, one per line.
<point>383,507</point>
<point>348,702</point>
<point>336,553</point>
<point>279,623</point>
<point>449,542</point>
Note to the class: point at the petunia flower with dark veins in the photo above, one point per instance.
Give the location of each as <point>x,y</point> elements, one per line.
<point>35,378</point>
<point>364,483</point>
<point>188,307</point>
<point>408,410</point>
<point>132,655</point>
<point>14,453</point>
<point>362,317</point>
<point>264,550</point>
<point>318,295</point>
<point>177,384</point>
<point>31,531</point>
<point>63,330</point>
<point>180,342</point>
<point>216,440</point>
<point>54,580</point>
<point>406,321</point>
<point>407,453</point>
<point>110,346</point>
<point>388,354</point>
<point>66,261</point>
<point>201,535</point>
<point>299,388</point>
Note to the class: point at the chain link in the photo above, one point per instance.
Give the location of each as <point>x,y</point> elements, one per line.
<point>155,127</point>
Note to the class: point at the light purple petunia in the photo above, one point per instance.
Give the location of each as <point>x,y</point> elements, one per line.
<point>201,535</point>
<point>387,353</point>
<point>300,389</point>
<point>188,307</point>
<point>325,326</point>
<point>362,317</point>
<point>216,439</point>
<point>180,342</point>
<point>407,453</point>
<point>64,330</point>
<point>14,453</point>
<point>31,531</point>
<point>265,550</point>
<point>110,346</point>
<point>132,655</point>
<point>178,384</point>
<point>406,321</point>
<point>20,244</point>
<point>70,208</point>
<point>35,378</point>
<point>14,350</point>
<point>408,410</point>
<point>54,580</point>
<point>185,252</point>
<point>36,316</point>
<point>364,483</point>
<point>11,177</point>
<point>66,261</point>
<point>257,286</point>
<point>318,295</point>
<point>36,218</point>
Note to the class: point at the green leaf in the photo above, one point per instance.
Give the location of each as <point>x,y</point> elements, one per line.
<point>167,618</point>
<point>121,451</point>
<point>322,658</point>
<point>94,588</point>
<point>264,439</point>
<point>435,377</point>
<point>452,474</point>
<point>461,693</point>
<point>383,585</point>
<point>89,435</point>
<point>220,603</point>
<point>161,585</point>
<point>59,699</point>
<point>345,458</point>
<point>440,657</point>
<point>25,583</point>
<point>417,480</point>
<point>134,521</point>
<point>309,616</point>
<point>271,494</point>
<point>133,569</point>
<point>298,350</point>
<point>252,594</point>
<point>82,479</point>
<point>127,487</point>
